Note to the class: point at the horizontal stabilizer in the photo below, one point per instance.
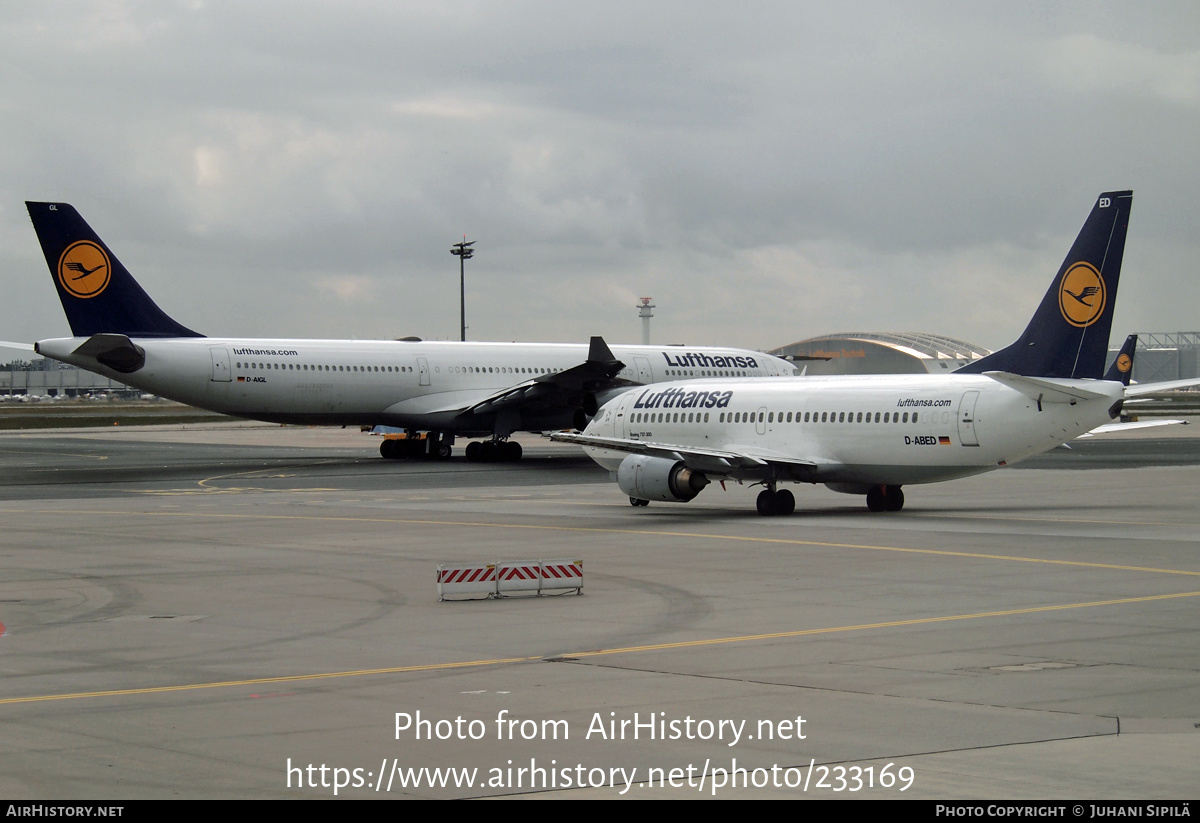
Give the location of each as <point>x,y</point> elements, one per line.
<point>1044,389</point>
<point>116,351</point>
<point>1143,389</point>
<point>1117,428</point>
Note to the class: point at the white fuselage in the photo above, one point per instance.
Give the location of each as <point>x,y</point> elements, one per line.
<point>861,430</point>
<point>401,383</point>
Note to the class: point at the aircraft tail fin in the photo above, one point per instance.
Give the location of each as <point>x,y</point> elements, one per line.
<point>1068,335</point>
<point>98,294</point>
<point>1122,368</point>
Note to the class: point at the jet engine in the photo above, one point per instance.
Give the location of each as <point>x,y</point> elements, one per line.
<point>656,478</point>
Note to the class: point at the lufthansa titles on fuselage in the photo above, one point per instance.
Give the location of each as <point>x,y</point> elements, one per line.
<point>705,361</point>
<point>683,399</point>
<point>268,352</point>
<point>909,402</point>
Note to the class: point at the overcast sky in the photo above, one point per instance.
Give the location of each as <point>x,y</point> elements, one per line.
<point>765,171</point>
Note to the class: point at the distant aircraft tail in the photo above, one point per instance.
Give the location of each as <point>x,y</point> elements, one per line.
<point>98,294</point>
<point>1068,336</point>
<point>1122,368</point>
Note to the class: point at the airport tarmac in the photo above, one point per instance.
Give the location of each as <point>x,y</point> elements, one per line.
<point>242,611</point>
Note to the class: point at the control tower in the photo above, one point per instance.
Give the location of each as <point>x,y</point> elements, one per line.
<point>645,311</point>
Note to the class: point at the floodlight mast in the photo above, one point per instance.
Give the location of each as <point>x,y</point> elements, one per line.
<point>463,252</point>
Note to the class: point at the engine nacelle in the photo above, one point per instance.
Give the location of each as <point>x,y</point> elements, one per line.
<point>656,478</point>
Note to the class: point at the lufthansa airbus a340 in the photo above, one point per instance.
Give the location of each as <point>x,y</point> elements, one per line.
<point>446,389</point>
<point>872,435</point>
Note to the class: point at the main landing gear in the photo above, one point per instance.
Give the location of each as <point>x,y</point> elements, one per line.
<point>434,446</point>
<point>493,451</point>
<point>885,499</point>
<point>772,502</point>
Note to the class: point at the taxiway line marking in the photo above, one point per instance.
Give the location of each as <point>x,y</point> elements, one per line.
<point>596,530</point>
<point>891,624</point>
<point>684,644</point>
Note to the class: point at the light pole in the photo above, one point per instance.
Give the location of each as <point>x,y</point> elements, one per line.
<point>463,252</point>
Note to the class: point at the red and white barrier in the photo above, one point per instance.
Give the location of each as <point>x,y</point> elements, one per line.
<point>502,579</point>
<point>475,578</point>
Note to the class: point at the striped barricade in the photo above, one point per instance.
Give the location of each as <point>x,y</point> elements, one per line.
<point>562,574</point>
<point>518,576</point>
<point>473,578</point>
<point>509,577</point>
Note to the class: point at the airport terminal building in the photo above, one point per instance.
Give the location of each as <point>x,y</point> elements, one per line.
<point>881,353</point>
<point>41,377</point>
<point>1160,355</point>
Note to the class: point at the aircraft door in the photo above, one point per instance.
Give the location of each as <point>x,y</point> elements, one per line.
<point>220,365</point>
<point>966,419</point>
<point>423,370</point>
<point>621,426</point>
<point>642,364</point>
<point>760,422</point>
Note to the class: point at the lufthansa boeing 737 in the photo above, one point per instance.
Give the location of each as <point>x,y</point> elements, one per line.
<point>872,435</point>
<point>447,389</point>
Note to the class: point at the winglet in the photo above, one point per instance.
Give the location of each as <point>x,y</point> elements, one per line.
<point>98,294</point>
<point>1068,336</point>
<point>599,352</point>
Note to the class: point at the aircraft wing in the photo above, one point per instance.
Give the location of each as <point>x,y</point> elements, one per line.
<point>735,463</point>
<point>563,390</point>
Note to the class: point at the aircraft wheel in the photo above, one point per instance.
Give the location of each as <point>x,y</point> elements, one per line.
<point>511,450</point>
<point>444,451</point>
<point>895,499</point>
<point>785,502</point>
<point>488,451</point>
<point>474,451</point>
<point>633,501</point>
<point>876,499</point>
<point>767,503</point>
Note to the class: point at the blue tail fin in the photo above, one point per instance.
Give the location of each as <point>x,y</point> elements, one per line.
<point>1122,368</point>
<point>98,294</point>
<point>1068,336</point>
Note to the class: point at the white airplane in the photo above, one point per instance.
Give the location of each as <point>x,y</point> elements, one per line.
<point>447,389</point>
<point>872,435</point>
